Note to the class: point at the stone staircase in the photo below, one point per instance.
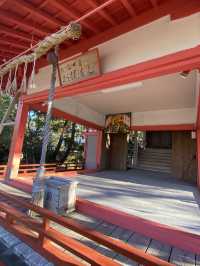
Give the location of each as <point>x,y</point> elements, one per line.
<point>155,160</point>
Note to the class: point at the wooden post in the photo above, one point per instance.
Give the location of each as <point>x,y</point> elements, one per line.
<point>45,226</point>
<point>17,141</point>
<point>99,148</point>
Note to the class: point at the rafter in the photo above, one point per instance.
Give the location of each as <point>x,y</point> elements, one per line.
<point>9,50</point>
<point>2,2</point>
<point>37,13</point>
<point>15,33</point>
<point>103,13</point>
<point>6,55</point>
<point>129,7</point>
<point>64,8</point>
<point>11,17</point>
<point>154,3</point>
<point>16,43</point>
<point>173,7</point>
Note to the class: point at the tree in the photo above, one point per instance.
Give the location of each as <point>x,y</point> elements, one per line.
<point>5,137</point>
<point>65,137</point>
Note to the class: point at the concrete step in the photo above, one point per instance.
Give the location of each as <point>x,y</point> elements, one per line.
<point>169,151</point>
<point>156,163</point>
<point>155,160</point>
<point>155,157</point>
<point>144,153</point>
<point>14,252</point>
<point>154,168</point>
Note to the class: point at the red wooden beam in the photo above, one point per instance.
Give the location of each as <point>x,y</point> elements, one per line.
<point>187,9</point>
<point>10,50</point>
<point>173,63</point>
<point>65,9</point>
<point>37,13</point>
<point>13,18</point>
<point>14,42</point>
<point>154,3</point>
<point>5,55</point>
<point>129,8</point>
<point>103,13</point>
<point>2,2</point>
<point>172,7</point>
<point>15,33</point>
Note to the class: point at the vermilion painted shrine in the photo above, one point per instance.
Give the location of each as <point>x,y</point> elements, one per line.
<point>129,72</point>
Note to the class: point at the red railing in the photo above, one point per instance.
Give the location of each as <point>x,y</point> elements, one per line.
<point>28,169</point>
<point>42,237</point>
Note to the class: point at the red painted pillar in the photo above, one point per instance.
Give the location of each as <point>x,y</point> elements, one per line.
<point>17,141</point>
<point>198,157</point>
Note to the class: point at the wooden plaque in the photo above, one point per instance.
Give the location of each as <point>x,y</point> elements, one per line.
<point>80,68</point>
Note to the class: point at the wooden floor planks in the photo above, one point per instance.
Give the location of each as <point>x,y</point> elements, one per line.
<point>151,246</point>
<point>174,255</point>
<point>159,250</point>
<point>182,258</point>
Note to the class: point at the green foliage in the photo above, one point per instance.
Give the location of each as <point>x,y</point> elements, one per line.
<point>63,143</point>
<point>6,135</point>
<point>60,139</point>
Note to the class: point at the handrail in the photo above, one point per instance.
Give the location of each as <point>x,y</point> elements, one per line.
<point>50,167</point>
<point>117,245</point>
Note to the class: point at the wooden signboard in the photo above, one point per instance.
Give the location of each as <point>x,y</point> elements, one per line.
<point>80,68</point>
<point>118,123</point>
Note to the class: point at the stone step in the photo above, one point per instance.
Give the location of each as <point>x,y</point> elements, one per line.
<point>155,152</point>
<point>14,252</point>
<point>155,169</point>
<point>156,163</point>
<point>155,158</point>
<point>158,150</point>
<point>144,153</point>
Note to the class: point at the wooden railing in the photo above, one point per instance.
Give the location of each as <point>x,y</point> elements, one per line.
<point>42,237</point>
<point>28,169</point>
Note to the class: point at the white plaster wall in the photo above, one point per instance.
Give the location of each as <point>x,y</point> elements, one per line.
<point>75,108</point>
<point>156,39</point>
<point>164,117</point>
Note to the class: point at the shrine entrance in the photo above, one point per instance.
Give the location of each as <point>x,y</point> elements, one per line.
<point>159,139</point>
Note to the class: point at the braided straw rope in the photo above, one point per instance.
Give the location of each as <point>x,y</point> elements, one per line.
<point>72,31</point>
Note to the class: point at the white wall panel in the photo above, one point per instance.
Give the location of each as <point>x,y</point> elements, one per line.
<point>164,117</point>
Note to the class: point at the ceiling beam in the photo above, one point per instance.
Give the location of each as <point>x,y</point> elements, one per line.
<point>14,42</point>
<point>15,33</point>
<point>64,8</point>
<point>6,55</point>
<point>129,8</point>
<point>12,18</point>
<point>170,7</point>
<point>10,50</point>
<point>103,13</point>
<point>2,2</point>
<point>154,3</point>
<point>37,13</point>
